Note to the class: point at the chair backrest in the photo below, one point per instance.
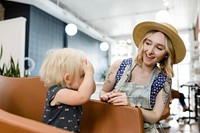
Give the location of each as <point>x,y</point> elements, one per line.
<point>100,117</point>
<point>23,96</point>
<point>26,97</point>
<point>11,123</point>
<point>166,112</point>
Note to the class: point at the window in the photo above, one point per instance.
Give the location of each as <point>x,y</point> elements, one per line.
<point>121,50</point>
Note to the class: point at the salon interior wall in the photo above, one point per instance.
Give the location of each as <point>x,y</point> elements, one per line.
<point>90,46</point>
<point>44,32</point>
<point>184,71</point>
<point>195,54</point>
<point>13,46</point>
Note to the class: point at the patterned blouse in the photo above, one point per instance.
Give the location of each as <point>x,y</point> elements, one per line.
<point>61,116</point>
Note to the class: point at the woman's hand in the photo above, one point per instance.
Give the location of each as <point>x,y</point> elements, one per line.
<point>118,98</point>
<point>104,96</point>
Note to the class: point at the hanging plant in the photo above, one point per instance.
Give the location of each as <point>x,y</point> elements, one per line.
<point>10,70</point>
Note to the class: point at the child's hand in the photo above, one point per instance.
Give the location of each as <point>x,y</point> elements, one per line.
<point>87,67</point>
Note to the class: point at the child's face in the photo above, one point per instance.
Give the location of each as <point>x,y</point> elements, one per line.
<point>78,79</point>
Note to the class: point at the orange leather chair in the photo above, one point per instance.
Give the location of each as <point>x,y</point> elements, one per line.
<point>21,106</point>
<point>22,102</point>
<point>165,114</point>
<point>11,123</point>
<point>23,96</point>
<point>101,117</point>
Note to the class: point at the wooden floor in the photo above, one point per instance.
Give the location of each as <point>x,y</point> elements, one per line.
<point>180,125</point>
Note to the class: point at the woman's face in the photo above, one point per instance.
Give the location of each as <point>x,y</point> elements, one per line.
<point>154,49</point>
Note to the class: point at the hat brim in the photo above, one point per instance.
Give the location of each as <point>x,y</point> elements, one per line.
<point>141,29</point>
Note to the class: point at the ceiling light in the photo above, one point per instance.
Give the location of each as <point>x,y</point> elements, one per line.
<point>163,16</point>
<point>71,29</point>
<point>104,46</point>
<point>166,3</point>
<point>129,41</point>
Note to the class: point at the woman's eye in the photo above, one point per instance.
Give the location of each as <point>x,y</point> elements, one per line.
<point>82,76</point>
<point>148,43</point>
<point>159,48</point>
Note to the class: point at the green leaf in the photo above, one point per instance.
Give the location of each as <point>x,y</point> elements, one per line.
<point>1,52</point>
<point>11,70</point>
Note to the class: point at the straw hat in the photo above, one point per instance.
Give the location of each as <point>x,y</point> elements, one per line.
<point>142,28</point>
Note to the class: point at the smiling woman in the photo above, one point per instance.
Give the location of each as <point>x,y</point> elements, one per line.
<point>145,81</point>
<point>154,48</point>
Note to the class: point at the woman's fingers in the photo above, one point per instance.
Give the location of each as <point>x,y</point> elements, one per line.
<point>118,100</point>
<point>104,96</point>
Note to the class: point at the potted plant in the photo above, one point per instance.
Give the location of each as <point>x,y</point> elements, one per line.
<point>10,70</point>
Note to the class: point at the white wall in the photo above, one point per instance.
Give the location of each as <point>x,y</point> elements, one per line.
<point>95,95</point>
<point>12,38</point>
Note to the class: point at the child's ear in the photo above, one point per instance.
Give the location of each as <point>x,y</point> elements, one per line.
<point>66,78</point>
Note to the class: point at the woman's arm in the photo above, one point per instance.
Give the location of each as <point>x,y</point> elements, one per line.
<point>109,81</point>
<point>154,115</point>
<point>162,100</point>
<point>151,116</point>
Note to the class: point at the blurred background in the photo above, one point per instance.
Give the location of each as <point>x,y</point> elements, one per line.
<point>102,29</point>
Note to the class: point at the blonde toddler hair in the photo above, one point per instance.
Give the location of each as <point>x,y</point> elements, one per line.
<point>60,62</point>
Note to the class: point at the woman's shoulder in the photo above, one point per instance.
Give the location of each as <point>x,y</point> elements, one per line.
<point>161,73</point>
<point>163,76</point>
<point>116,64</point>
<point>122,62</point>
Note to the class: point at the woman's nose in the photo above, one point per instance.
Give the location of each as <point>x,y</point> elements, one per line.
<point>150,50</point>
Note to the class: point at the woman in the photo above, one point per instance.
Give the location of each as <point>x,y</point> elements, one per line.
<point>145,81</point>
